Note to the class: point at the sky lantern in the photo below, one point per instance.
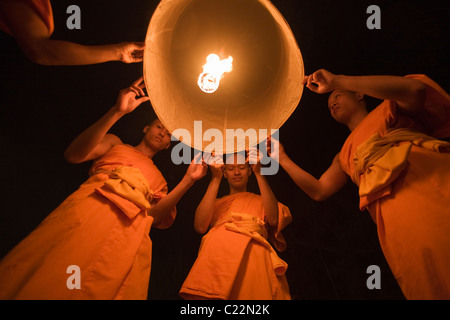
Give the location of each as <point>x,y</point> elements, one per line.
<point>233,65</point>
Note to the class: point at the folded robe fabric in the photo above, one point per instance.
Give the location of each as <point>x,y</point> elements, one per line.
<point>110,245</point>
<point>381,159</point>
<point>254,228</point>
<point>403,173</point>
<point>42,7</point>
<point>127,183</point>
<point>235,260</point>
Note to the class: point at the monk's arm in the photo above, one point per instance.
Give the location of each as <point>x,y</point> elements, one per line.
<point>269,201</point>
<point>95,141</point>
<point>58,52</point>
<point>205,209</point>
<point>164,206</point>
<point>33,37</point>
<point>408,93</point>
<point>331,181</point>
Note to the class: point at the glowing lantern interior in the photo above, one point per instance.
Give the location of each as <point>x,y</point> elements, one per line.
<point>253,40</point>
<point>213,71</point>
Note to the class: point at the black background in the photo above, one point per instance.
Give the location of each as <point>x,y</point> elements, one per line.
<point>330,244</point>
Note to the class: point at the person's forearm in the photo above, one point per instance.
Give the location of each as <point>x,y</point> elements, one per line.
<point>58,52</point>
<point>84,143</point>
<point>383,87</point>
<point>205,209</point>
<point>305,181</point>
<point>164,206</point>
<point>269,201</point>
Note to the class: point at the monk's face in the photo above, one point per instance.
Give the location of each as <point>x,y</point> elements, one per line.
<point>157,136</point>
<point>343,104</point>
<point>237,173</point>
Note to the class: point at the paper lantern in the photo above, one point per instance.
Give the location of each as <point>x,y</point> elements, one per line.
<point>259,91</point>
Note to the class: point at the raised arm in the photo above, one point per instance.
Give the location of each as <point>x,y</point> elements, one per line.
<point>33,37</point>
<point>331,181</point>
<point>95,140</point>
<point>408,93</point>
<point>205,209</point>
<point>195,172</point>
<point>58,52</point>
<point>269,201</point>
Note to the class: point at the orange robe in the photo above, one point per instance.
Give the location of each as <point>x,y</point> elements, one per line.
<point>407,191</point>
<point>97,229</point>
<point>235,260</point>
<point>42,7</point>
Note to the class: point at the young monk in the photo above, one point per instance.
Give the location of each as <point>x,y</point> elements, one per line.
<point>103,227</point>
<point>30,22</point>
<point>401,169</point>
<point>235,260</point>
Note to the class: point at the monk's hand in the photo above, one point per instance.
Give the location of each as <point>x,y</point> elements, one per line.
<point>130,98</point>
<point>215,163</point>
<point>130,52</point>
<point>275,149</point>
<point>197,169</point>
<point>216,168</point>
<point>321,81</point>
<point>254,159</point>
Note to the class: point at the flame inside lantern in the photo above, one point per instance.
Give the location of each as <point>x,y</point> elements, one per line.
<point>213,71</point>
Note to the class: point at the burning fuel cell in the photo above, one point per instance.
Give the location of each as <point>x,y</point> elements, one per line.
<point>213,72</point>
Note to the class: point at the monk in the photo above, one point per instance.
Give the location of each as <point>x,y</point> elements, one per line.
<point>30,22</point>
<point>101,230</point>
<point>235,260</point>
<point>401,168</point>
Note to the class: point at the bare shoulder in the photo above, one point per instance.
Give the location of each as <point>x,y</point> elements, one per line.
<point>336,165</point>
<point>336,159</point>
<point>111,140</point>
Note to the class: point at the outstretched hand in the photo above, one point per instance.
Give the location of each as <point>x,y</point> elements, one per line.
<point>274,148</point>
<point>321,81</point>
<point>254,159</point>
<point>130,52</point>
<point>197,169</point>
<point>215,163</point>
<point>130,98</point>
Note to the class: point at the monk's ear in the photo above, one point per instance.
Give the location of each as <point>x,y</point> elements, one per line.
<point>359,96</point>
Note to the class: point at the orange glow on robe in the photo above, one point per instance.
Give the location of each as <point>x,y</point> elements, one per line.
<point>104,234</point>
<point>235,262</point>
<point>412,212</point>
<point>43,8</point>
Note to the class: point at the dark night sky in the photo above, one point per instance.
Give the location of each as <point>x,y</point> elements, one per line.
<point>330,244</point>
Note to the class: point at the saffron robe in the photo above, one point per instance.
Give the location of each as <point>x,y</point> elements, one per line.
<point>99,228</point>
<point>42,7</point>
<point>235,260</point>
<point>406,189</point>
